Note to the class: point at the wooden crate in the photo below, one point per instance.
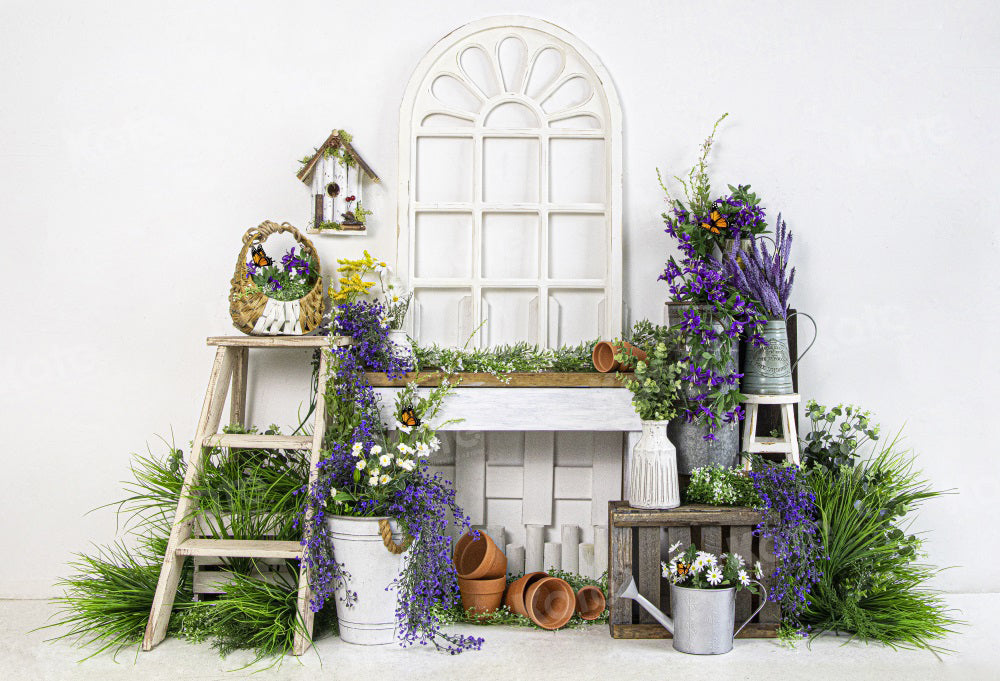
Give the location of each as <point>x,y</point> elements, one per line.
<point>640,538</point>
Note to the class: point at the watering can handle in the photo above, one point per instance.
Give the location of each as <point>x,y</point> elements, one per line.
<point>763,602</point>
<point>815,335</point>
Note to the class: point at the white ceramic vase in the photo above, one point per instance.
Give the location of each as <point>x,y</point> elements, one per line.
<point>371,569</point>
<point>402,347</point>
<point>652,480</point>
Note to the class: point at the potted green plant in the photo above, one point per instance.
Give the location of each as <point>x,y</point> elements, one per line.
<point>709,311</point>
<point>657,396</point>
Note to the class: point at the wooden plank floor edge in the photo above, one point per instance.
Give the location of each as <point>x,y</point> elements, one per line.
<point>540,379</point>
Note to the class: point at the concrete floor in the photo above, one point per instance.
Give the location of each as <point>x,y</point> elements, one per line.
<point>512,653</point>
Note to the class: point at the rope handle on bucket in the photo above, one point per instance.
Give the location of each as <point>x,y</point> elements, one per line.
<point>386,531</point>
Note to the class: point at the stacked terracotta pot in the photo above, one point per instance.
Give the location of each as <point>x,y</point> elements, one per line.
<point>547,601</point>
<point>482,573</point>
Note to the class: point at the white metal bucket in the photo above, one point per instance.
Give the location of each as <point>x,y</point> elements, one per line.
<point>371,569</point>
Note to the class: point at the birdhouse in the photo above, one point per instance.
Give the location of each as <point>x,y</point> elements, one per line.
<point>335,174</point>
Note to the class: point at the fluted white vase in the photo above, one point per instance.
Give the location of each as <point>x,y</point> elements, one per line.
<point>652,481</point>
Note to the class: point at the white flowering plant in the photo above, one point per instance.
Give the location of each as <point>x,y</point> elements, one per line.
<point>696,569</point>
<point>385,464</point>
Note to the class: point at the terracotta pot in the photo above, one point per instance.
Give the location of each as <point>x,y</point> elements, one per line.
<point>550,602</point>
<point>590,602</point>
<point>479,558</point>
<point>481,596</point>
<point>514,600</point>
<point>604,356</point>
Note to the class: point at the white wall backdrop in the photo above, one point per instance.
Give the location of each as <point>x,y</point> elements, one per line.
<point>138,141</point>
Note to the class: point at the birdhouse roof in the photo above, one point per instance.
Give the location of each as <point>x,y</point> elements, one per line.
<point>335,141</point>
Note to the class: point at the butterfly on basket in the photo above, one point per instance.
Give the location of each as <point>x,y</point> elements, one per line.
<point>259,257</point>
<point>716,223</point>
<point>408,417</point>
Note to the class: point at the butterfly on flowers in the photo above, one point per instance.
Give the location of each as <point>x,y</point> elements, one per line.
<point>683,569</point>
<point>408,417</point>
<point>716,223</point>
<point>260,258</point>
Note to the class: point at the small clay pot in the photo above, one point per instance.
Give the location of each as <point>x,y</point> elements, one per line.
<point>550,602</point>
<point>479,558</point>
<point>590,602</point>
<point>514,600</point>
<point>481,596</point>
<point>604,356</point>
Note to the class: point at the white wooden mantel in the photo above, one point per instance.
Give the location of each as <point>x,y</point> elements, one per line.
<point>532,409</point>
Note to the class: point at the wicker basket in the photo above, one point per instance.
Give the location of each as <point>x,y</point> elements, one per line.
<point>256,314</point>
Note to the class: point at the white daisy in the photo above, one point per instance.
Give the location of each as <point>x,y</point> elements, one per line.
<point>706,558</point>
<point>360,465</point>
<point>714,575</point>
<point>356,448</point>
<point>404,448</point>
<point>373,481</point>
<point>375,450</point>
<point>385,460</point>
<point>435,444</point>
<point>675,546</point>
<point>423,451</point>
<point>333,491</point>
<point>664,569</point>
<point>758,570</point>
<point>743,577</point>
<point>739,558</point>
<point>384,479</point>
<point>407,464</point>
<point>403,428</point>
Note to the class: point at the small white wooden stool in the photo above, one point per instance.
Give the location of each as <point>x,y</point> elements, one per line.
<point>788,443</point>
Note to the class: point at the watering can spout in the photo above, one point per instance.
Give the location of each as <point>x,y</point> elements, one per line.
<point>632,592</point>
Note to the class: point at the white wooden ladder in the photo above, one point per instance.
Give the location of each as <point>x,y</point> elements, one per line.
<point>230,369</point>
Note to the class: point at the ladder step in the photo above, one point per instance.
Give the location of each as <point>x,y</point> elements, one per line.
<point>771,444</point>
<point>240,548</point>
<point>255,441</point>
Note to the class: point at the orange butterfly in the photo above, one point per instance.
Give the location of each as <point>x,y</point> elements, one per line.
<point>683,569</point>
<point>260,258</point>
<point>717,223</point>
<point>408,417</point>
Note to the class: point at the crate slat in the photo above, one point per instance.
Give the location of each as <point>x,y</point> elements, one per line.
<point>649,568</point>
<point>741,543</point>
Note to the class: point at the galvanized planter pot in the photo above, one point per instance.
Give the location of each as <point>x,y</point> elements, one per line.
<point>693,450</point>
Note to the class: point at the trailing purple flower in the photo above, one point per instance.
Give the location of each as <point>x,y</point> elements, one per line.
<point>789,520</point>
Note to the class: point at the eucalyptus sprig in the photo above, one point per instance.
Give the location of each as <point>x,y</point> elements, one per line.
<point>655,384</point>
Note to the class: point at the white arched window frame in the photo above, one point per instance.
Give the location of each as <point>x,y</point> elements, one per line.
<point>510,188</point>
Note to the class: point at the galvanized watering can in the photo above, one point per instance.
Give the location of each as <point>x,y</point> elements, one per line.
<point>767,370</point>
<point>703,618</point>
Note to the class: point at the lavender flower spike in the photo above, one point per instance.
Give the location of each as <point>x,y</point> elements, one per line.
<point>763,275</point>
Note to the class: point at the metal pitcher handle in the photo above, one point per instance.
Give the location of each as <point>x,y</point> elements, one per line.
<point>763,602</point>
<point>815,335</point>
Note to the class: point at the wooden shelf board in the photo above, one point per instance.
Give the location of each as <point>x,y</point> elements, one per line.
<point>754,630</point>
<point>240,548</point>
<point>277,341</point>
<point>259,441</point>
<point>542,379</point>
<point>623,515</point>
